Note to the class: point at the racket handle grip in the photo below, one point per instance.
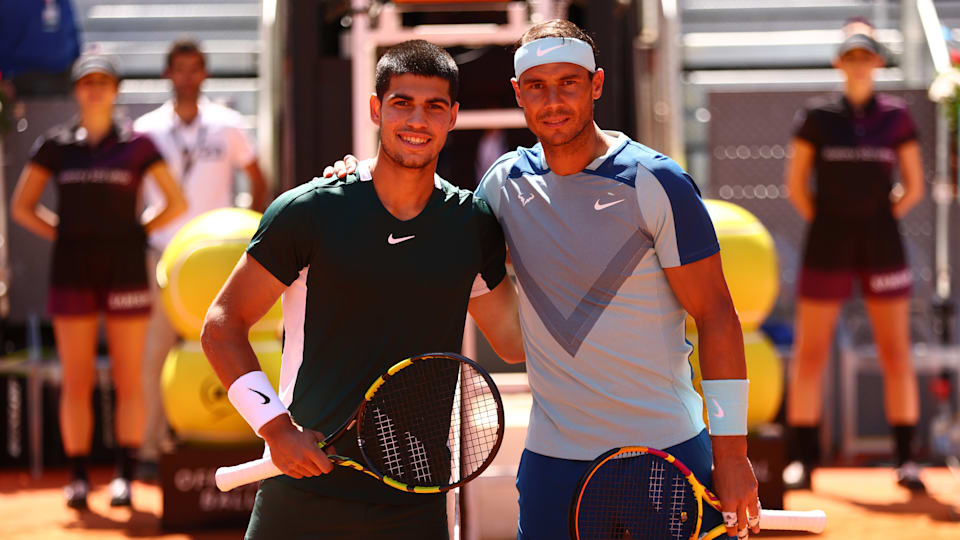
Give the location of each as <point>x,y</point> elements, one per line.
<point>246,473</point>
<point>793,520</point>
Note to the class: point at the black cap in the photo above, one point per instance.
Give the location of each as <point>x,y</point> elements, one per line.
<point>859,41</point>
<point>93,63</point>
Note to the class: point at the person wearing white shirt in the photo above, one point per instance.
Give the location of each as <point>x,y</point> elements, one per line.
<point>204,144</point>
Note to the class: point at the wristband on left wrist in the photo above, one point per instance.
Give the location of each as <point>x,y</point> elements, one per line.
<point>726,401</point>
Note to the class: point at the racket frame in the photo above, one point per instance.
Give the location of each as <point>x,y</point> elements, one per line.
<point>357,418</point>
<point>371,392</point>
<point>700,491</point>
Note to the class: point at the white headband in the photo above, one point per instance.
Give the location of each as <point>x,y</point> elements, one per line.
<point>553,49</point>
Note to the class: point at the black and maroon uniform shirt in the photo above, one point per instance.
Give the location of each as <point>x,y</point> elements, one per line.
<point>97,185</point>
<point>856,150</point>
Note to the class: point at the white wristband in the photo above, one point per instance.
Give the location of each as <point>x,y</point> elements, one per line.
<point>726,401</point>
<point>255,399</point>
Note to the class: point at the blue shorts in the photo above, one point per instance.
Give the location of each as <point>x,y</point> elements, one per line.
<point>547,486</point>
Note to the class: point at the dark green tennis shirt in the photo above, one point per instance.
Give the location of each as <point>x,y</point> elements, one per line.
<point>364,291</point>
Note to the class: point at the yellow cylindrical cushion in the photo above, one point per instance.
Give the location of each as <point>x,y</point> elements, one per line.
<point>765,371</point>
<point>749,262</point>
<point>196,403</point>
<point>196,264</point>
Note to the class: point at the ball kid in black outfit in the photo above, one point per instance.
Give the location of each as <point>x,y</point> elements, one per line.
<point>99,266</point>
<point>851,143</point>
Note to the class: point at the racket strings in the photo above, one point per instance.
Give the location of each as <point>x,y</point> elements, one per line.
<point>419,420</point>
<point>636,496</point>
<point>419,463</point>
<point>678,497</point>
<point>480,423</point>
<point>387,435</point>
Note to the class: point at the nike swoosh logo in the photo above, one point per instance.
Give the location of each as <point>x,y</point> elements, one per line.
<point>541,52</point>
<point>719,413</point>
<point>523,200</point>
<point>598,206</point>
<point>261,394</point>
<point>391,240</point>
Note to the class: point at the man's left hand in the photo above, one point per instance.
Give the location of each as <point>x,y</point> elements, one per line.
<point>342,167</point>
<point>735,485</point>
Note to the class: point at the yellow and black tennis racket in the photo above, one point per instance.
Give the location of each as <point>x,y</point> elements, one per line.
<point>642,493</point>
<point>429,424</point>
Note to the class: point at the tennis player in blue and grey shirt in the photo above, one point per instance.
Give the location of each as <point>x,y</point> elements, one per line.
<point>612,247</point>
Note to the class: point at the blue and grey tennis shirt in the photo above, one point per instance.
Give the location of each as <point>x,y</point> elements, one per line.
<point>607,357</point>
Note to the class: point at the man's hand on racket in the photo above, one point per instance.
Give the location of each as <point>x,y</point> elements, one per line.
<point>341,168</point>
<point>294,449</point>
<point>735,484</point>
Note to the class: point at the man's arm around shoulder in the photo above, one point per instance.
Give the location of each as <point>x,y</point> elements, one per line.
<point>497,317</point>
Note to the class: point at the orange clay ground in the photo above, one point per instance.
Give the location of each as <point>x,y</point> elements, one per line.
<point>860,503</point>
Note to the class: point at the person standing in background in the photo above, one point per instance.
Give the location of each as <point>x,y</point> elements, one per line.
<point>98,164</point>
<point>205,144</point>
<point>852,142</point>
<point>38,44</point>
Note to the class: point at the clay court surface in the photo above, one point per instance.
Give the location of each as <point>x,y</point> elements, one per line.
<point>860,503</point>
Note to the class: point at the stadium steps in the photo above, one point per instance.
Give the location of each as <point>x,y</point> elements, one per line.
<point>771,34</point>
<point>138,33</point>
<point>769,44</point>
<point>784,34</point>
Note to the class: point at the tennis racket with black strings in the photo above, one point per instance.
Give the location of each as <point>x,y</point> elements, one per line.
<point>429,424</point>
<point>642,493</point>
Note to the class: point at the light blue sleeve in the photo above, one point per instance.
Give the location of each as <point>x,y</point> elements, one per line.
<point>491,185</point>
<point>674,214</point>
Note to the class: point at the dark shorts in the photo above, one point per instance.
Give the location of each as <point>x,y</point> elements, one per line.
<point>838,285</point>
<point>840,251</point>
<point>99,276</point>
<point>283,511</point>
<point>547,485</point>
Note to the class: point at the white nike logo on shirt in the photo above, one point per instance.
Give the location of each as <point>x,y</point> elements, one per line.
<point>598,206</point>
<point>391,240</point>
<point>524,200</point>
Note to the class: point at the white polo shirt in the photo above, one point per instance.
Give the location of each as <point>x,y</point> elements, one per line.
<point>203,156</point>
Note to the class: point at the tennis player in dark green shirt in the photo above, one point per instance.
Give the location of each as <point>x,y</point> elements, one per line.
<point>373,268</point>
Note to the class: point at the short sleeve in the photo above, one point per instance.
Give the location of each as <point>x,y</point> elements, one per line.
<point>240,148</point>
<point>493,249</point>
<point>147,152</point>
<point>47,154</point>
<point>490,187</point>
<point>280,244</point>
<point>905,130</point>
<point>806,126</point>
<point>674,215</point>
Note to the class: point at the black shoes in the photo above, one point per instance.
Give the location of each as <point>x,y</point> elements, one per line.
<point>908,476</point>
<point>120,492</point>
<point>796,475</point>
<point>76,494</point>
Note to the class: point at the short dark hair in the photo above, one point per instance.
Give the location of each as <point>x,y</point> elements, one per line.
<point>185,46</point>
<point>561,28</point>
<point>417,57</point>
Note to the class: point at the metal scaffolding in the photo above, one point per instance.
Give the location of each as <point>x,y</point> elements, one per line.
<point>377,25</point>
